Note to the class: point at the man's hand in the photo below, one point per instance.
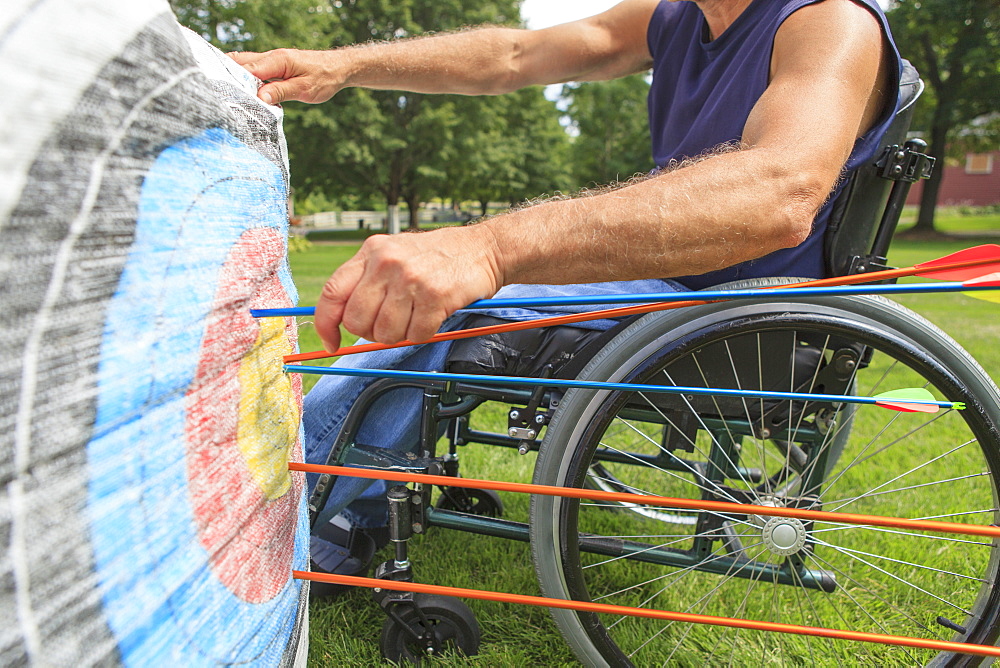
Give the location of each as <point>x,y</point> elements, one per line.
<point>484,61</point>
<point>291,74</point>
<point>404,286</point>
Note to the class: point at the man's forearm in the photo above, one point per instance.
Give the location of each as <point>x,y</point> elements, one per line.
<point>728,209</point>
<point>480,61</point>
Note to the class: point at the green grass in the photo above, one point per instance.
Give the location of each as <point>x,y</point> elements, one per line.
<point>345,632</point>
<point>956,220</point>
<point>340,235</point>
<point>346,236</point>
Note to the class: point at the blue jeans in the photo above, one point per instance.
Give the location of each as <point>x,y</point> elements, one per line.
<point>394,420</point>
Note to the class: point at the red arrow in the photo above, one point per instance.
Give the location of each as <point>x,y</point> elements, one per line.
<point>965,265</point>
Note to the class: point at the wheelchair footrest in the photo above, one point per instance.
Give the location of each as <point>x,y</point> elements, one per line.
<point>370,456</point>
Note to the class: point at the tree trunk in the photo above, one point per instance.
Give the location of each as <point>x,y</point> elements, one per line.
<point>393,193</point>
<point>413,202</point>
<point>484,205</point>
<point>928,198</point>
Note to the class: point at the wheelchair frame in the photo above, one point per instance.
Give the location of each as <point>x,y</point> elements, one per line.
<point>874,196</point>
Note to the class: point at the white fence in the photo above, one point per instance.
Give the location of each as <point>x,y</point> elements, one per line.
<point>345,220</point>
<point>371,220</point>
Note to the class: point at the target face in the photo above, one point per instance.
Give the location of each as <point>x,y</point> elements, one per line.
<point>149,512</point>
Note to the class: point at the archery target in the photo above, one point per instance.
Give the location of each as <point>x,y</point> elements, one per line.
<point>147,510</point>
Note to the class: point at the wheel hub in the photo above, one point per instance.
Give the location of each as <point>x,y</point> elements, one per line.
<point>784,535</point>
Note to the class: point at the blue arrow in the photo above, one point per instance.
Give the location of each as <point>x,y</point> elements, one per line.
<point>704,295</point>
<point>596,385</point>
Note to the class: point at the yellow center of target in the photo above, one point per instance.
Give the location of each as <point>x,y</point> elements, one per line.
<point>268,414</point>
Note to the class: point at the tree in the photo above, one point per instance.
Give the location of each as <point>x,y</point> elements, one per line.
<point>258,25</point>
<point>365,144</point>
<point>384,140</point>
<point>613,127</point>
<point>954,45</point>
<point>543,147</point>
<point>508,148</point>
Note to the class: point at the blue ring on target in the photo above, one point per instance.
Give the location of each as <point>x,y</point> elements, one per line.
<point>198,197</point>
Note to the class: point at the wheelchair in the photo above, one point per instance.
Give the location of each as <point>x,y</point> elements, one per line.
<point>819,455</point>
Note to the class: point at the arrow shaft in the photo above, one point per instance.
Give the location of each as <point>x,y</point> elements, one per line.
<point>518,381</point>
<point>665,615</point>
<point>708,505</point>
<point>927,268</point>
<point>702,296</point>
<point>719,295</point>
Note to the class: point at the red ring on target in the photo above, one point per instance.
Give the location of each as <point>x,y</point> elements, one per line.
<point>242,425</point>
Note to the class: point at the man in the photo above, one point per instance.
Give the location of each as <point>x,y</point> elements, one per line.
<point>798,91</point>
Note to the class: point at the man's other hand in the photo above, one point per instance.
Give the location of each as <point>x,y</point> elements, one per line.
<point>404,286</point>
<point>291,74</point>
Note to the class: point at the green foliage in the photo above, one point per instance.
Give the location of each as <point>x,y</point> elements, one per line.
<point>297,243</point>
<point>258,25</point>
<point>365,142</point>
<point>954,46</point>
<point>318,202</point>
<point>367,147</point>
<point>981,135</point>
<point>507,148</point>
<point>611,118</point>
<point>543,145</point>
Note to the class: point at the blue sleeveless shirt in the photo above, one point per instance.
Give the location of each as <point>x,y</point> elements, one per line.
<point>703,92</point>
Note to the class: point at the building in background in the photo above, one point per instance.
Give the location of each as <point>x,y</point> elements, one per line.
<point>974,181</point>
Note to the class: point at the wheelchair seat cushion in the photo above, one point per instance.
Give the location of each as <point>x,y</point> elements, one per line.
<point>521,353</point>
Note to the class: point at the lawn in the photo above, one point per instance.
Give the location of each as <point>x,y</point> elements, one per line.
<point>346,631</point>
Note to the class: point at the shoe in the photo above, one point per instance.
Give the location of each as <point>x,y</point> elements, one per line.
<point>340,549</point>
<point>378,534</point>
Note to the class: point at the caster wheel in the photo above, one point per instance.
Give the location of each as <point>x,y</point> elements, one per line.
<point>435,625</point>
<point>484,502</point>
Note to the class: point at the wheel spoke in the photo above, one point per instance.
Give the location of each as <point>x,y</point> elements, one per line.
<point>894,576</point>
<point>901,562</point>
<point>896,490</point>
<point>827,455</point>
<point>871,592</point>
<point>864,609</point>
<point>721,414</point>
<point>711,434</point>
<point>673,574</point>
<point>865,527</point>
<point>857,461</point>
<point>671,474</point>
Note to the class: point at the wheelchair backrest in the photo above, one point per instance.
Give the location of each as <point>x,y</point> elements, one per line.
<point>858,210</point>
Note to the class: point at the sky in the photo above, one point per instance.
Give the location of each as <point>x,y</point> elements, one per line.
<point>545,13</point>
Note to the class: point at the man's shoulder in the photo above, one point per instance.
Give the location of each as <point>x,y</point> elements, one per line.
<point>842,14</point>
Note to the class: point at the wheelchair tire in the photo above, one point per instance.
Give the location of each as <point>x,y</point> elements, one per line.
<point>442,625</point>
<point>482,502</point>
<point>887,581</point>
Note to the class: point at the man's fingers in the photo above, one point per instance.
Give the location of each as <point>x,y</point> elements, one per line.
<point>362,308</point>
<point>277,65</point>
<point>243,57</point>
<point>276,92</point>
<point>333,300</point>
<point>392,320</point>
<point>429,311</point>
<point>424,325</point>
<point>328,327</point>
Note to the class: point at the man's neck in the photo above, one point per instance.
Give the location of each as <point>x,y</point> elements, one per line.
<point>720,14</point>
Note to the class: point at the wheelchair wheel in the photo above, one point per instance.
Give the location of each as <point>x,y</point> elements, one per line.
<point>483,502</point>
<point>824,456</point>
<point>431,626</point>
